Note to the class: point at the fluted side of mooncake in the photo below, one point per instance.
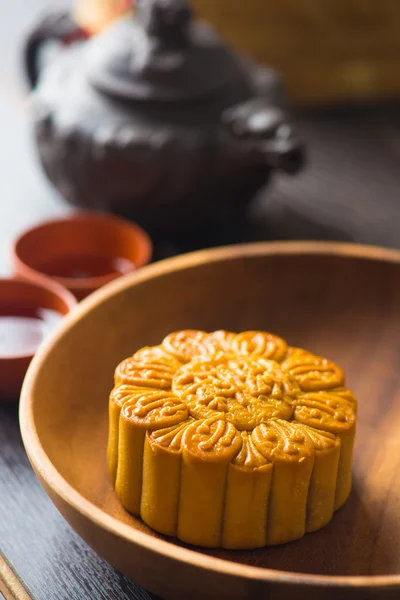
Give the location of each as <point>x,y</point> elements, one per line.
<point>232,440</point>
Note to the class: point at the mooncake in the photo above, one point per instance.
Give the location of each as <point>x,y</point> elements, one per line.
<point>230,440</point>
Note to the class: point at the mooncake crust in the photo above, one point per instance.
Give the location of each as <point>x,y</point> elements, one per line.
<point>232,440</point>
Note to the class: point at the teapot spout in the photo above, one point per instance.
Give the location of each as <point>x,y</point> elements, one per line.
<point>287,156</point>
<point>261,133</point>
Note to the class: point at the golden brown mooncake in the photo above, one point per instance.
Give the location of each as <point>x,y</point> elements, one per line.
<point>231,440</point>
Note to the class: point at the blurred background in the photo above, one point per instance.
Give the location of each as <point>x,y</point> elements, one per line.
<point>340,61</point>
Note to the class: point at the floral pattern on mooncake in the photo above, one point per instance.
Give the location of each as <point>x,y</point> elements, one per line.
<point>231,440</point>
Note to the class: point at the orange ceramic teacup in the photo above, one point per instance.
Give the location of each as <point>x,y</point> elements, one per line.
<point>28,313</point>
<point>82,252</point>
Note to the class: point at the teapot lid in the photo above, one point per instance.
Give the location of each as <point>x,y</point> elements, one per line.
<point>161,54</point>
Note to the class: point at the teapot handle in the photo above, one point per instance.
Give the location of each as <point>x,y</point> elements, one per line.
<point>55,26</point>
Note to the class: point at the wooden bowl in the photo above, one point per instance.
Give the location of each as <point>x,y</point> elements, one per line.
<point>82,252</point>
<point>339,300</point>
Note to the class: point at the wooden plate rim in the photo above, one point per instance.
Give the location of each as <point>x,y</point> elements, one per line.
<point>70,496</point>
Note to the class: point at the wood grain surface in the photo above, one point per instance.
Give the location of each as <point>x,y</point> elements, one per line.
<point>10,584</point>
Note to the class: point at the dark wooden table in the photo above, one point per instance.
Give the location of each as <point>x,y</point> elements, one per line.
<point>350,191</point>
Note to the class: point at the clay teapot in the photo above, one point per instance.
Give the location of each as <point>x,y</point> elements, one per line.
<point>158,120</point>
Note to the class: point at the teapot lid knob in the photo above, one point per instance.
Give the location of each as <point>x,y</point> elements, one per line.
<point>166,20</point>
<point>161,53</point>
